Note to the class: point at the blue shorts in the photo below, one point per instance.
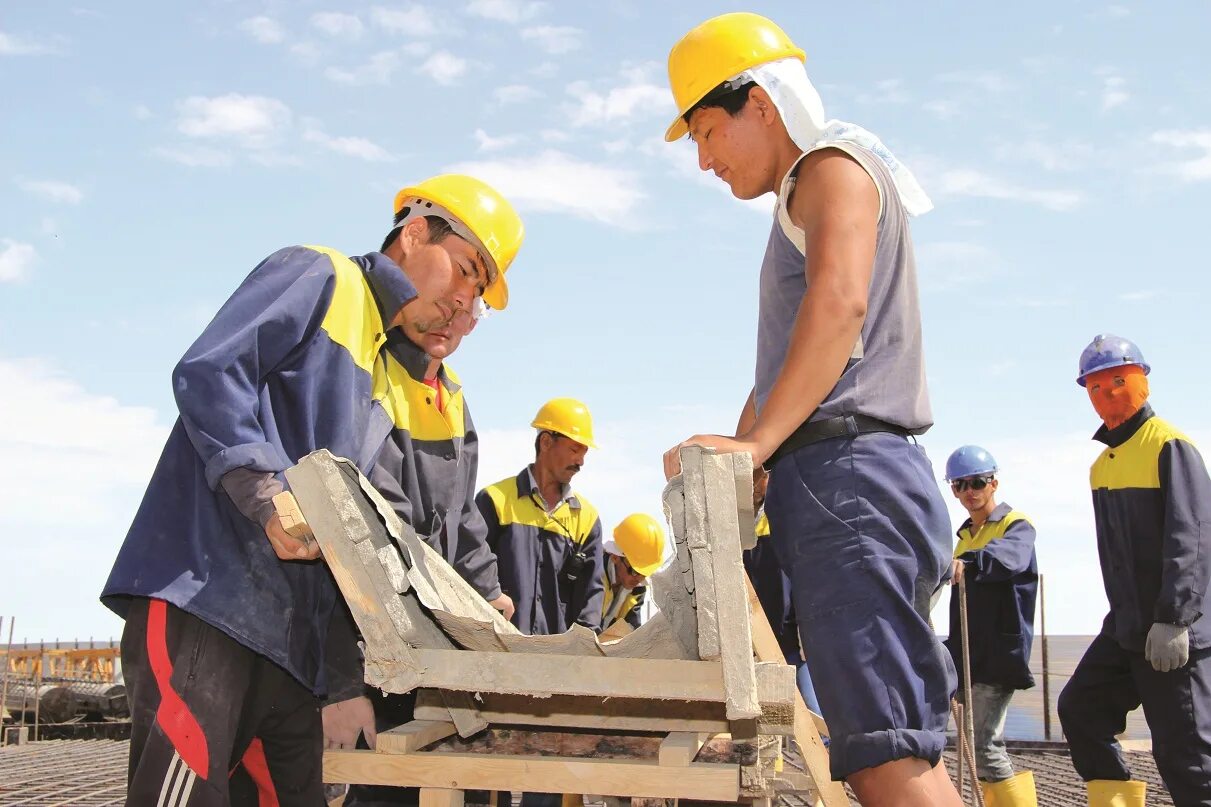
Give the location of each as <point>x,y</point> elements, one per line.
<point>861,529</point>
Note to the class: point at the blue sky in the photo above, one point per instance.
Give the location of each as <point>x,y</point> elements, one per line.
<point>152,153</point>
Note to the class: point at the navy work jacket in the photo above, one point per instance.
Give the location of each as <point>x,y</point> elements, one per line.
<point>1152,508</point>
<point>1002,582</point>
<point>293,362</point>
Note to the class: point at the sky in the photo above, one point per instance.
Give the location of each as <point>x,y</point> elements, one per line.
<point>151,154</point>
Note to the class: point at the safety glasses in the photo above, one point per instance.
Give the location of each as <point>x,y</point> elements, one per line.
<point>975,483</point>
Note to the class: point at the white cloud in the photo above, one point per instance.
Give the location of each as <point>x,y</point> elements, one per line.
<point>253,121</point>
<point>358,147</point>
<point>377,70</point>
<point>636,97</point>
<point>1113,92</point>
<point>944,109</point>
<point>1140,295</point>
<point>515,94</point>
<point>972,183</point>
<point>556,182</point>
<point>54,191</point>
<point>51,423</point>
<point>265,30</point>
<point>887,91</point>
<point>512,11</point>
<point>947,264</point>
<point>985,81</point>
<point>1060,155</point>
<point>488,143</point>
<point>1197,169</point>
<point>338,24</point>
<point>444,67</point>
<point>411,20</point>
<point>143,112</point>
<point>554,39</point>
<point>194,156</point>
<point>16,260</point>
<point>13,45</point>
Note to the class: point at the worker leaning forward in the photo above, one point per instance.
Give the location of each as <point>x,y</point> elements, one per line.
<point>547,539</point>
<point>632,555</point>
<point>857,518</point>
<point>995,560</point>
<point>1152,511</point>
<point>227,616</point>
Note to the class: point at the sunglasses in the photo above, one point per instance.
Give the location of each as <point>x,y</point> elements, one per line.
<point>978,483</point>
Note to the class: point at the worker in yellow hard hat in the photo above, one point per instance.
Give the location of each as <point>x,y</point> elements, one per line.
<point>840,390</point>
<point>631,556</point>
<point>315,350</point>
<point>548,539</point>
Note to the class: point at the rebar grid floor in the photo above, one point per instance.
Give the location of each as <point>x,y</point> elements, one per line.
<point>92,773</point>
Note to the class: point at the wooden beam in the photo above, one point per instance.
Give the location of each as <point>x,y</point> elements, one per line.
<point>570,711</point>
<point>440,797</point>
<point>815,755</point>
<point>535,774</point>
<point>413,736</point>
<point>535,674</point>
<point>679,748</point>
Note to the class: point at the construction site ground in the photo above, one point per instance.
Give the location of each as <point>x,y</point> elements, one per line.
<point>92,773</point>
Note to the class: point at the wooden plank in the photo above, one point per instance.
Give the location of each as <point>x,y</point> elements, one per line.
<point>337,530</point>
<point>731,598</point>
<point>440,797</point>
<point>535,774</point>
<point>370,573</point>
<point>413,736</point>
<point>815,755</point>
<point>529,673</point>
<point>698,542</point>
<point>290,516</point>
<point>679,748</point>
<point>601,744</point>
<point>570,711</point>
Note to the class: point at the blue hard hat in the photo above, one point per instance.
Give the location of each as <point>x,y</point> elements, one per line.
<point>1107,350</point>
<point>969,461</point>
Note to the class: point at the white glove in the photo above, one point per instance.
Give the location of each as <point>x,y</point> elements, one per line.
<point>1167,647</point>
<point>344,720</point>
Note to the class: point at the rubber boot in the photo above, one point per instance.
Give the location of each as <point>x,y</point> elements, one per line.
<point>1016,791</point>
<point>1113,793</point>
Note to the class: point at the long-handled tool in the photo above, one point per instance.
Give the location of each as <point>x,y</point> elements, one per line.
<point>967,727</point>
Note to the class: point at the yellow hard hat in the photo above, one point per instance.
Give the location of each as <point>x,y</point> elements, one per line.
<point>641,541</point>
<point>715,51</point>
<point>473,208</point>
<point>566,416</point>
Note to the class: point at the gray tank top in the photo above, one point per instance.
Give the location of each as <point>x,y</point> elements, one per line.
<point>885,375</point>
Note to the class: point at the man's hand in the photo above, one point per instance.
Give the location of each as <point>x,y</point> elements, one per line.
<point>287,547</point>
<point>345,720</point>
<point>1167,647</point>
<point>504,604</point>
<point>956,571</point>
<point>721,444</point>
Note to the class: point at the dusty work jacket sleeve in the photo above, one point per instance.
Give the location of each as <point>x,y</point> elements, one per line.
<point>1186,545</point>
<point>1004,558</point>
<point>279,307</point>
<point>475,561</point>
<point>590,586</point>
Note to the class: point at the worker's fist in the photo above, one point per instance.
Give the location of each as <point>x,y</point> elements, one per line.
<point>504,604</point>
<point>287,546</point>
<point>956,571</point>
<point>345,720</point>
<point>1167,647</point>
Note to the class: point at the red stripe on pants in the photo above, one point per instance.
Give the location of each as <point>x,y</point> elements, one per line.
<point>258,769</point>
<point>174,717</point>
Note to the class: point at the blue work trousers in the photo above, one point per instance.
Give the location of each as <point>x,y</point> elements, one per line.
<point>1108,683</point>
<point>861,529</point>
